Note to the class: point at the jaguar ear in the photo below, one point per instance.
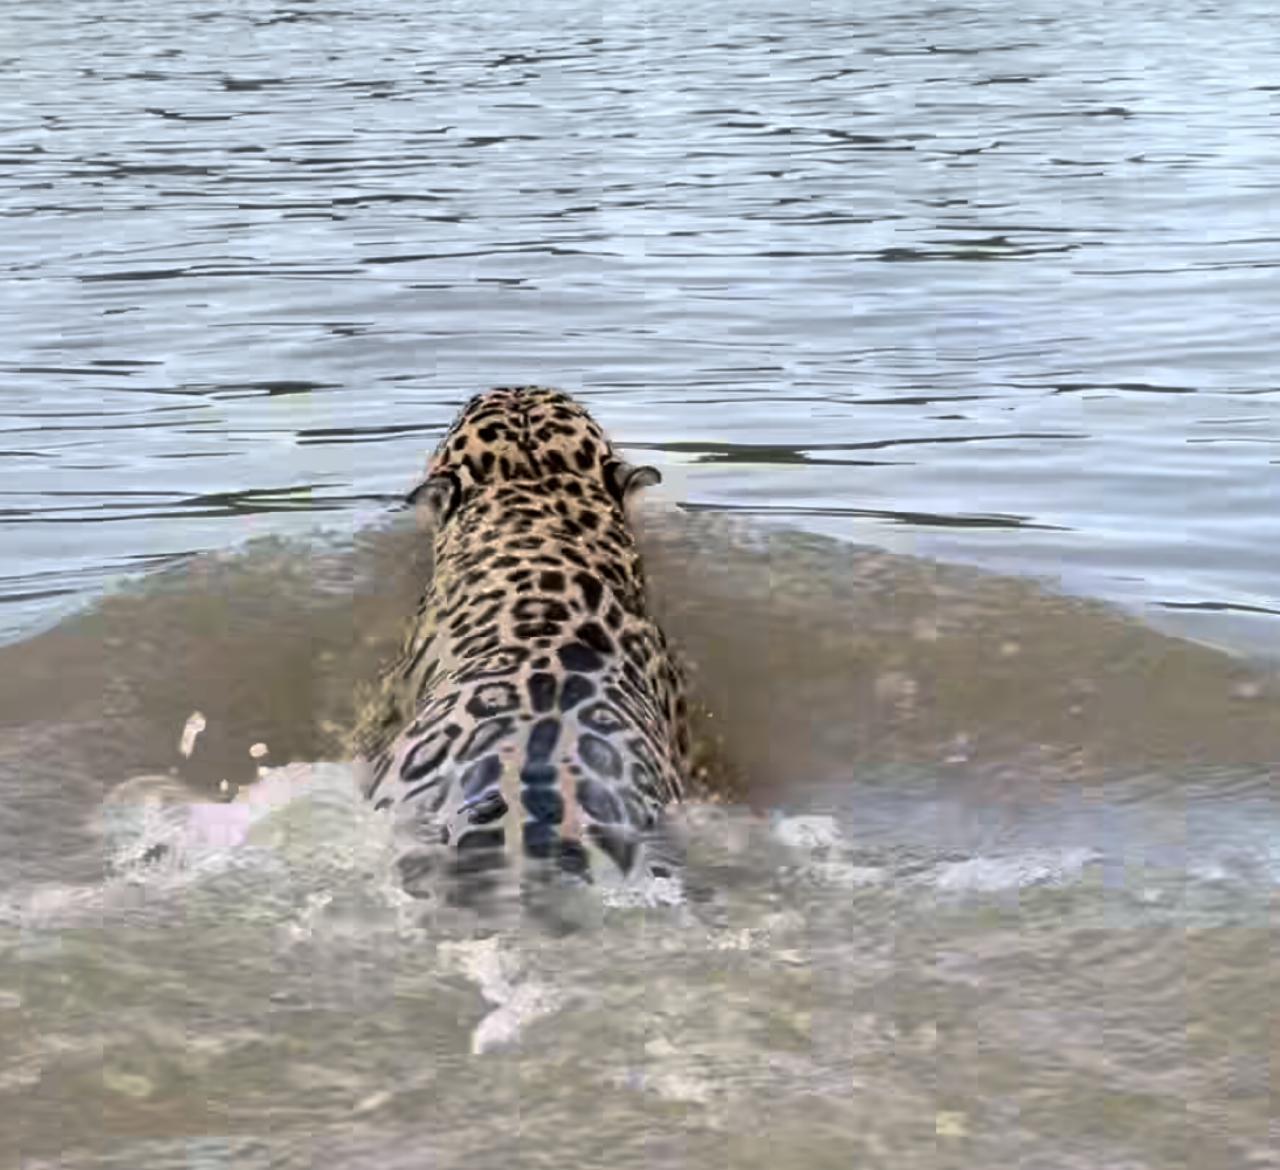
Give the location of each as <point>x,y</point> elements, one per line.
<point>438,496</point>
<point>623,479</point>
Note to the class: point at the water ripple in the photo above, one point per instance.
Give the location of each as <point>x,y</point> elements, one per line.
<point>1043,256</point>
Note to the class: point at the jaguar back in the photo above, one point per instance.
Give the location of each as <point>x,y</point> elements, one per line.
<point>537,711</point>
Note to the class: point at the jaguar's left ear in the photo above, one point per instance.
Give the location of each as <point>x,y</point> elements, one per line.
<point>624,479</point>
<point>437,496</point>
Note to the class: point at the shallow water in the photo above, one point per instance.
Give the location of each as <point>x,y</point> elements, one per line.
<point>939,924</point>
<point>994,880</point>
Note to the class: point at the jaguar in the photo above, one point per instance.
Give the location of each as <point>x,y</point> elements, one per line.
<point>536,716</point>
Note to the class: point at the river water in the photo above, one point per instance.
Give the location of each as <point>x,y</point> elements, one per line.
<point>948,325</point>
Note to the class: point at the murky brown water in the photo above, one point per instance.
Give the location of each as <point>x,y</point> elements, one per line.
<point>951,327</point>
<point>999,884</point>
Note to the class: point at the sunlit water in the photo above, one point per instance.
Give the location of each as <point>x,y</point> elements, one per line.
<point>994,882</point>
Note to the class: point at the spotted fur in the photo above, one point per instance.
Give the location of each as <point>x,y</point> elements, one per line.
<point>535,710</point>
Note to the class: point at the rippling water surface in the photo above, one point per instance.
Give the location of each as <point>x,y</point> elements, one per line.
<point>984,284</point>
<point>994,282</point>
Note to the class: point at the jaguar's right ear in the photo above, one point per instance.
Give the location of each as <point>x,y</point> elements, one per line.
<point>438,496</point>
<point>624,479</point>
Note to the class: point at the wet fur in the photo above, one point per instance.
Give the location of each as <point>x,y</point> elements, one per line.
<point>536,711</point>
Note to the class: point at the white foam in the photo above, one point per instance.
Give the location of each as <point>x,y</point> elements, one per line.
<point>518,1002</point>
<point>827,860</point>
<point>1034,868</point>
<point>644,893</point>
<point>809,833</point>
